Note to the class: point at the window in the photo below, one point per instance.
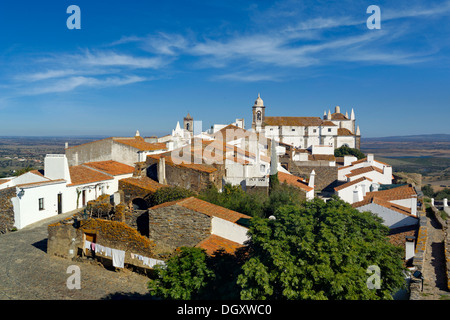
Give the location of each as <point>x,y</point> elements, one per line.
<point>314,130</point>
<point>41,203</point>
<point>293,129</point>
<point>262,168</point>
<point>329,129</point>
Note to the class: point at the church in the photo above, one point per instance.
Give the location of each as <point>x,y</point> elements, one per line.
<point>334,129</point>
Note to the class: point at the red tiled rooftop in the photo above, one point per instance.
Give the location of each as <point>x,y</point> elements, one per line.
<point>144,183</point>
<point>213,243</point>
<point>111,167</point>
<point>139,143</point>
<point>83,175</point>
<point>204,207</point>
<point>293,181</point>
<point>362,170</point>
<point>350,183</point>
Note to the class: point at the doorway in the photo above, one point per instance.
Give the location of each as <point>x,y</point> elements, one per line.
<point>59,203</point>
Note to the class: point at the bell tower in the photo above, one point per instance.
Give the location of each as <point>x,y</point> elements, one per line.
<point>259,112</point>
<point>188,123</point>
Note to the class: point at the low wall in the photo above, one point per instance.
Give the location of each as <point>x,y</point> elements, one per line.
<point>67,241</point>
<point>415,286</point>
<point>6,209</point>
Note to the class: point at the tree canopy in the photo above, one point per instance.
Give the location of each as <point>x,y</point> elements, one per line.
<point>347,151</point>
<point>312,250</point>
<point>319,251</point>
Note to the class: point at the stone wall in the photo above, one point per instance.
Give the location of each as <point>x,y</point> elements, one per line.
<point>6,209</point>
<point>186,177</point>
<point>325,176</point>
<point>66,240</point>
<point>415,286</point>
<point>175,226</point>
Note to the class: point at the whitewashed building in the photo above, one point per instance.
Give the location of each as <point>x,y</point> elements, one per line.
<point>61,188</point>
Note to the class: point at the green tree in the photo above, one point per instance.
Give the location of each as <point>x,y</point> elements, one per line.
<point>22,171</point>
<point>319,251</point>
<point>347,151</point>
<point>166,194</point>
<point>183,277</point>
<point>444,193</point>
<point>428,191</point>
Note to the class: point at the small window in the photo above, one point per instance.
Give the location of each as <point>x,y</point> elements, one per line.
<point>329,129</point>
<point>41,203</point>
<point>314,130</point>
<point>293,129</point>
<point>262,168</point>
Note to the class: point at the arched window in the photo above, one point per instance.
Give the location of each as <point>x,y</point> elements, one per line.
<point>187,126</point>
<point>258,115</point>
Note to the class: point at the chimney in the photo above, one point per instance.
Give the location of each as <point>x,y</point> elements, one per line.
<point>137,133</point>
<point>312,179</point>
<point>445,202</point>
<point>337,109</point>
<point>329,115</point>
<point>374,187</point>
<point>66,145</point>
<point>56,167</point>
<point>357,196</point>
<point>162,170</point>
<point>352,115</point>
<point>370,158</point>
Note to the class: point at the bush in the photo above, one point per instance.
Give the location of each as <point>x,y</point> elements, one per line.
<point>347,151</point>
<point>167,194</point>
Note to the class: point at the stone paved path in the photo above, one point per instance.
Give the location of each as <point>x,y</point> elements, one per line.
<point>435,282</point>
<point>27,272</point>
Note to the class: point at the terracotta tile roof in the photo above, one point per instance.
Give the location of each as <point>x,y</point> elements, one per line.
<point>4,181</point>
<point>204,207</point>
<point>194,166</point>
<point>321,157</point>
<point>224,133</point>
<point>365,160</point>
<point>344,132</point>
<point>338,116</point>
<point>83,175</point>
<point>213,243</point>
<point>111,167</point>
<point>140,144</point>
<point>395,207</point>
<point>362,170</point>
<point>144,183</point>
<point>350,183</point>
<point>296,121</point>
<point>402,192</point>
<point>40,183</point>
<point>293,181</point>
<point>38,173</point>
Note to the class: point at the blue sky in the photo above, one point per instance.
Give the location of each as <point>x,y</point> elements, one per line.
<point>142,65</point>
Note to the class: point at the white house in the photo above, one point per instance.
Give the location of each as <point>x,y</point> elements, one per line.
<point>396,206</point>
<point>62,188</point>
<point>355,190</point>
<point>379,172</point>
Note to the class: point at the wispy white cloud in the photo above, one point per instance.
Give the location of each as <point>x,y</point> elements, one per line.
<point>71,83</point>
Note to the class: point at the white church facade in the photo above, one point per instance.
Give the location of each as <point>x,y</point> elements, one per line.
<point>334,129</point>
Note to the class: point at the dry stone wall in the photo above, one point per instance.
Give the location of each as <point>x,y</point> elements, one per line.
<point>6,209</point>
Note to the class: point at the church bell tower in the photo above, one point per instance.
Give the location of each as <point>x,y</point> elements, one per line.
<point>259,111</point>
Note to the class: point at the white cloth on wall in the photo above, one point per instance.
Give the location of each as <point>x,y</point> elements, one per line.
<point>87,244</point>
<point>118,258</point>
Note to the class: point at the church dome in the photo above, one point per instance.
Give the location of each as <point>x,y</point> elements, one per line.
<point>259,102</point>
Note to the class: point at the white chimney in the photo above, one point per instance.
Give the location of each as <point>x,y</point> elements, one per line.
<point>374,187</point>
<point>337,109</point>
<point>162,170</point>
<point>357,195</point>
<point>66,145</point>
<point>409,247</point>
<point>445,202</point>
<point>312,179</point>
<point>370,158</point>
<point>56,167</point>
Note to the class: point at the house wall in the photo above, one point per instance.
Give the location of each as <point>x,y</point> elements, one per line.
<point>27,206</point>
<point>100,150</point>
<point>177,226</point>
<point>346,194</point>
<point>229,230</point>
<point>392,219</point>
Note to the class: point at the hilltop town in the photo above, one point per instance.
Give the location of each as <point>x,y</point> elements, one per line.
<point>111,191</point>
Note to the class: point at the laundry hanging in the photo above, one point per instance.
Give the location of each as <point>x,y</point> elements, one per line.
<point>118,258</point>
